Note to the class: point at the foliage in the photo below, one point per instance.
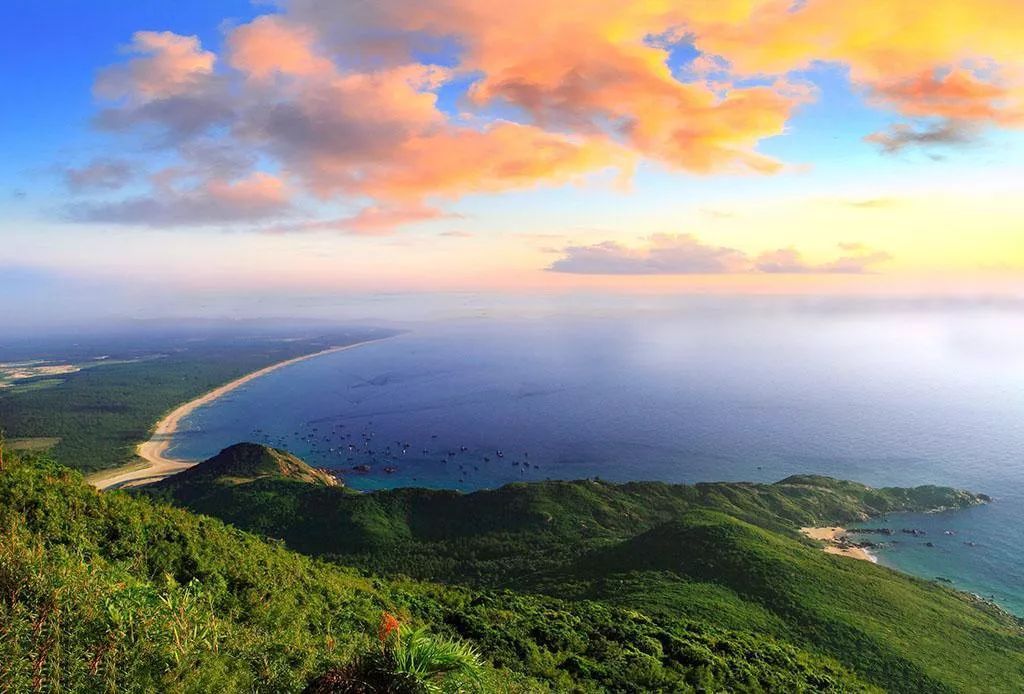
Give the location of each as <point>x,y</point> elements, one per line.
<point>103,591</point>
<point>408,661</point>
<point>727,555</point>
<point>425,663</point>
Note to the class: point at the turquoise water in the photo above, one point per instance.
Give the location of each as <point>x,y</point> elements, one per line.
<point>885,398</point>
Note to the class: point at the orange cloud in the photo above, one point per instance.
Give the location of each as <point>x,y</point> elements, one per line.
<point>271,45</point>
<point>941,58</point>
<point>336,95</point>
<point>957,95</point>
<point>499,157</point>
<point>369,221</point>
<point>379,134</point>
<point>587,67</point>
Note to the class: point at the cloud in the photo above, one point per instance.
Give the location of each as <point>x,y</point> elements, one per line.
<point>857,261</point>
<point>369,221</point>
<point>954,69</point>
<point>954,94</point>
<point>173,119</point>
<point>339,97</point>
<point>590,68</point>
<point>871,204</point>
<point>680,254</point>
<point>945,134</point>
<point>212,202</point>
<point>169,86</point>
<point>684,254</point>
<point>167,64</point>
<point>271,46</point>
<point>104,173</point>
<point>717,214</point>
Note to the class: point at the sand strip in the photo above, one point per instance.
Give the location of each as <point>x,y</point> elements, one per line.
<point>835,543</point>
<point>153,451</point>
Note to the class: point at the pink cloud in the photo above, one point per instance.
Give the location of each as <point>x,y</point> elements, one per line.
<point>168,64</point>
<point>369,221</point>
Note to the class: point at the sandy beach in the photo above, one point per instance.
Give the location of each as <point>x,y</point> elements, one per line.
<point>156,465</point>
<point>832,537</point>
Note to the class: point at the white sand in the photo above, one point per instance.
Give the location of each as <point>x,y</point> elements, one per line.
<point>831,537</point>
<point>153,451</point>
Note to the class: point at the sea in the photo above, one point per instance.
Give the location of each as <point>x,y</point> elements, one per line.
<point>884,395</point>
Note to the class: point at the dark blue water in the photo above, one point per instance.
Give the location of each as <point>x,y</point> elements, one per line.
<point>883,398</point>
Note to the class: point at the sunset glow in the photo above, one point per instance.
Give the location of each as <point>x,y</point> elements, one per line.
<point>741,145</point>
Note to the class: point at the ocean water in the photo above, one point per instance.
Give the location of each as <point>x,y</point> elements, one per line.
<point>880,396</point>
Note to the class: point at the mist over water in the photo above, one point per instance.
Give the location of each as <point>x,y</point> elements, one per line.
<point>883,397</point>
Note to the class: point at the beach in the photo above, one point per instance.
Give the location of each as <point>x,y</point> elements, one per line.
<point>833,537</point>
<point>155,464</point>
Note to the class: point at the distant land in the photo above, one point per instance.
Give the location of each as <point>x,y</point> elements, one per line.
<point>94,418</point>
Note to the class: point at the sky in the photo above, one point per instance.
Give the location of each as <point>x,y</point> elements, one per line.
<point>173,154</point>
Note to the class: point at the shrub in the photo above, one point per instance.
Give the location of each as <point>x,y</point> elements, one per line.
<point>409,661</point>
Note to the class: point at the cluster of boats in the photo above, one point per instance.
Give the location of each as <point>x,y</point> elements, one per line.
<point>360,451</point>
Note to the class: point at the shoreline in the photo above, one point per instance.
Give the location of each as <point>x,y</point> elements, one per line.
<point>834,544</point>
<point>155,464</point>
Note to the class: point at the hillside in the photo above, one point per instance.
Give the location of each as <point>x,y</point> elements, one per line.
<point>247,462</point>
<point>728,555</point>
<point>104,591</point>
<point>567,586</point>
<point>456,536</point>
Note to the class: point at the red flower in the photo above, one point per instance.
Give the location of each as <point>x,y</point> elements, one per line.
<point>388,624</point>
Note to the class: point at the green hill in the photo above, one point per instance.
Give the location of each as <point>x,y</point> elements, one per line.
<point>561,586</point>
<point>246,462</point>
<point>905,634</point>
<point>491,537</point>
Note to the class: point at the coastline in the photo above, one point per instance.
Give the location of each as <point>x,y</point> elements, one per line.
<point>155,464</point>
<point>835,544</point>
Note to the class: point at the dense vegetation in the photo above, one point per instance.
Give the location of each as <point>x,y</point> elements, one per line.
<point>103,591</point>
<point>100,414</point>
<point>728,555</point>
